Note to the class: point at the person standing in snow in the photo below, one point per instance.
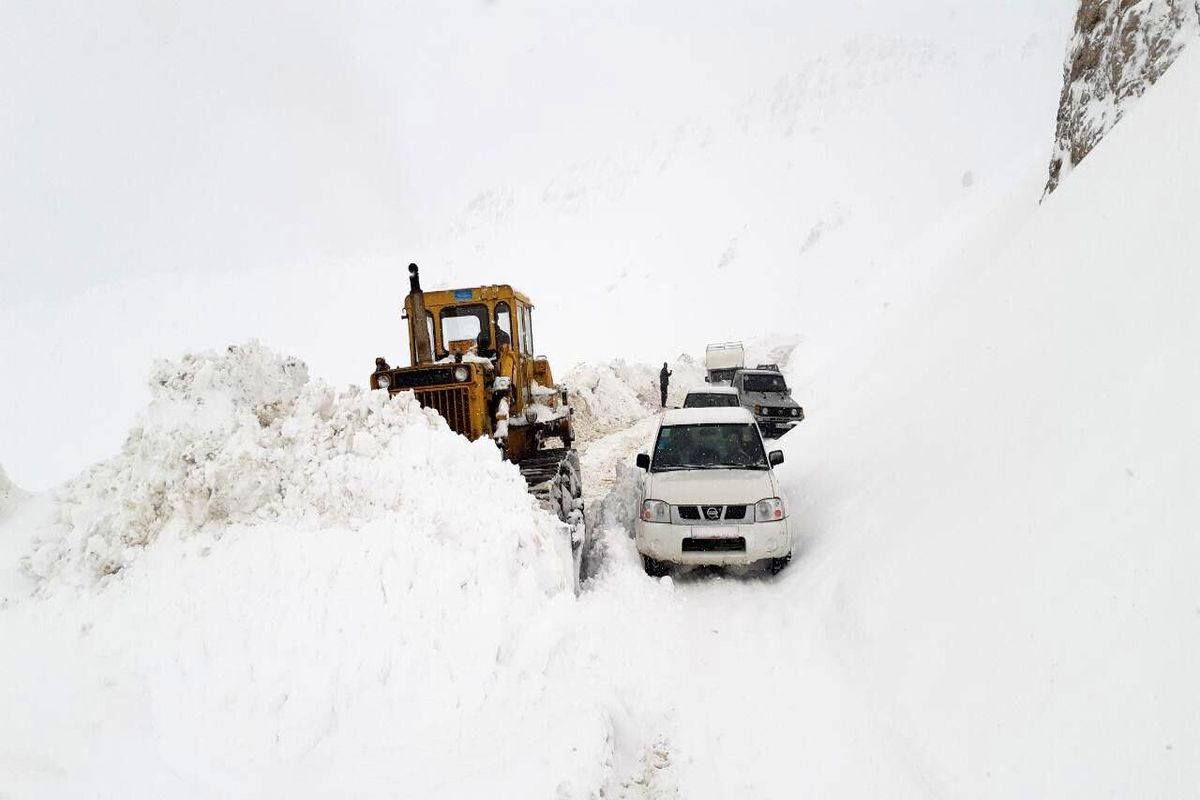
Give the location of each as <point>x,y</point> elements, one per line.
<point>664,378</point>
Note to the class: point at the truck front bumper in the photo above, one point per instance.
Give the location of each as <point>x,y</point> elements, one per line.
<point>713,544</point>
<point>774,427</point>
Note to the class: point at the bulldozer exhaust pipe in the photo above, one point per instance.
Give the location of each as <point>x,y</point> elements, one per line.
<point>422,347</point>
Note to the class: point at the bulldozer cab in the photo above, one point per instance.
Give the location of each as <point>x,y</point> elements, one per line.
<point>472,360</point>
<point>478,320</point>
<point>492,323</point>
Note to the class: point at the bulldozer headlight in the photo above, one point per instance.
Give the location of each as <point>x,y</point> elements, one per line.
<point>461,374</point>
<point>655,511</point>
<point>383,381</point>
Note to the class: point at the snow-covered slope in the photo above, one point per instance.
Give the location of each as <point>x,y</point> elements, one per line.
<point>185,178</point>
<point>1001,502</point>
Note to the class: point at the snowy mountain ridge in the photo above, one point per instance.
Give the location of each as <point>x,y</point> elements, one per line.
<point>1118,50</point>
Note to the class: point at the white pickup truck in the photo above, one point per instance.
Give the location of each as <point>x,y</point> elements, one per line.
<point>710,495</point>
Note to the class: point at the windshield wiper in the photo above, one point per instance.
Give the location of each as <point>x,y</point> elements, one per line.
<point>736,466</point>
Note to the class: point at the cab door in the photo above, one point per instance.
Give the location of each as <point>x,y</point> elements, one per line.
<point>523,345</point>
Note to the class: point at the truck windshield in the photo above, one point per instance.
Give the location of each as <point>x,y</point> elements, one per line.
<point>764,383</point>
<point>710,400</point>
<point>717,446</point>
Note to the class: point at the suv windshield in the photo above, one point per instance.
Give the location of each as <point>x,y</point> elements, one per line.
<point>717,446</point>
<point>764,383</point>
<point>710,400</point>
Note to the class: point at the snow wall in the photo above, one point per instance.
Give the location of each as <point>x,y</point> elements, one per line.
<point>271,578</point>
<point>999,501</point>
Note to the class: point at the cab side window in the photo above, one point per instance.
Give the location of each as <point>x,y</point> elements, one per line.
<point>503,325</point>
<point>526,325</point>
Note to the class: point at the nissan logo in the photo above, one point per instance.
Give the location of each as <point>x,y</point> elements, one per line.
<point>713,512</point>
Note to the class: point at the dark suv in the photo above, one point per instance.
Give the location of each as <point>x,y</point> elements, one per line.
<point>765,394</point>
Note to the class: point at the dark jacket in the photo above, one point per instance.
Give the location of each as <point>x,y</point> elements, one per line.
<point>664,376</point>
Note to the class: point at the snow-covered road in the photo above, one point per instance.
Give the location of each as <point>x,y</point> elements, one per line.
<point>726,682</point>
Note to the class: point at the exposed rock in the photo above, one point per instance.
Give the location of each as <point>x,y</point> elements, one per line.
<point>1119,48</point>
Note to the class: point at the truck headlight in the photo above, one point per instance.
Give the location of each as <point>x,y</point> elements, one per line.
<point>795,412</point>
<point>768,510</point>
<point>383,381</point>
<point>461,374</point>
<point>655,511</point>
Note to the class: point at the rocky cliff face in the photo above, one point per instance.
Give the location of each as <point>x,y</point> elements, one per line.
<point>1119,48</point>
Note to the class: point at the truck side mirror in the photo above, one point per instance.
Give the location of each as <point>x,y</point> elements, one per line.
<point>643,461</point>
<point>775,457</point>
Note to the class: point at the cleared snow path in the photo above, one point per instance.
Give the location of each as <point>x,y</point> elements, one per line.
<point>719,685</point>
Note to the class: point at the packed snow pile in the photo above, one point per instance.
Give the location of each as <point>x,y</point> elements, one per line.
<point>611,396</point>
<point>10,494</point>
<point>273,587</point>
<point>244,436</point>
<point>1119,49</point>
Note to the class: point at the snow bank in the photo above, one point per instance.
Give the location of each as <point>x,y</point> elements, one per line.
<point>10,494</point>
<point>611,396</point>
<point>999,502</point>
<point>244,436</point>
<point>270,578</point>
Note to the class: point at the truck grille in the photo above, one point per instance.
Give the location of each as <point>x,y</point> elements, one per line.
<point>702,513</point>
<point>453,403</point>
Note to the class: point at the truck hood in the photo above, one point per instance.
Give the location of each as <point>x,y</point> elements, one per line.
<point>711,486</point>
<point>769,398</point>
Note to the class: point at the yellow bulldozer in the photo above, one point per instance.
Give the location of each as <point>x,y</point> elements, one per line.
<point>472,360</point>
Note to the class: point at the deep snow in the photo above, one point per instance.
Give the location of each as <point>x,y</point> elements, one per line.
<point>992,597</point>
<point>1001,495</point>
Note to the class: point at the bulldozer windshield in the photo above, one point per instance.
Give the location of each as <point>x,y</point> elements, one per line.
<point>464,322</point>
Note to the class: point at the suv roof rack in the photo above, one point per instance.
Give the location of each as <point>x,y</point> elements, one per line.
<point>771,367</point>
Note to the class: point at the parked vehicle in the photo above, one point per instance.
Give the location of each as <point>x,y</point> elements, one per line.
<point>712,397</point>
<point>721,360</point>
<point>710,495</point>
<point>765,394</point>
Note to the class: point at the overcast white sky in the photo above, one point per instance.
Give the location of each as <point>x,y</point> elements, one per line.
<point>179,176</point>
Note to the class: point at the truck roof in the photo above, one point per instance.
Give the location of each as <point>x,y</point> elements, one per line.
<point>728,415</point>
<point>724,355</point>
<point>713,389</point>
